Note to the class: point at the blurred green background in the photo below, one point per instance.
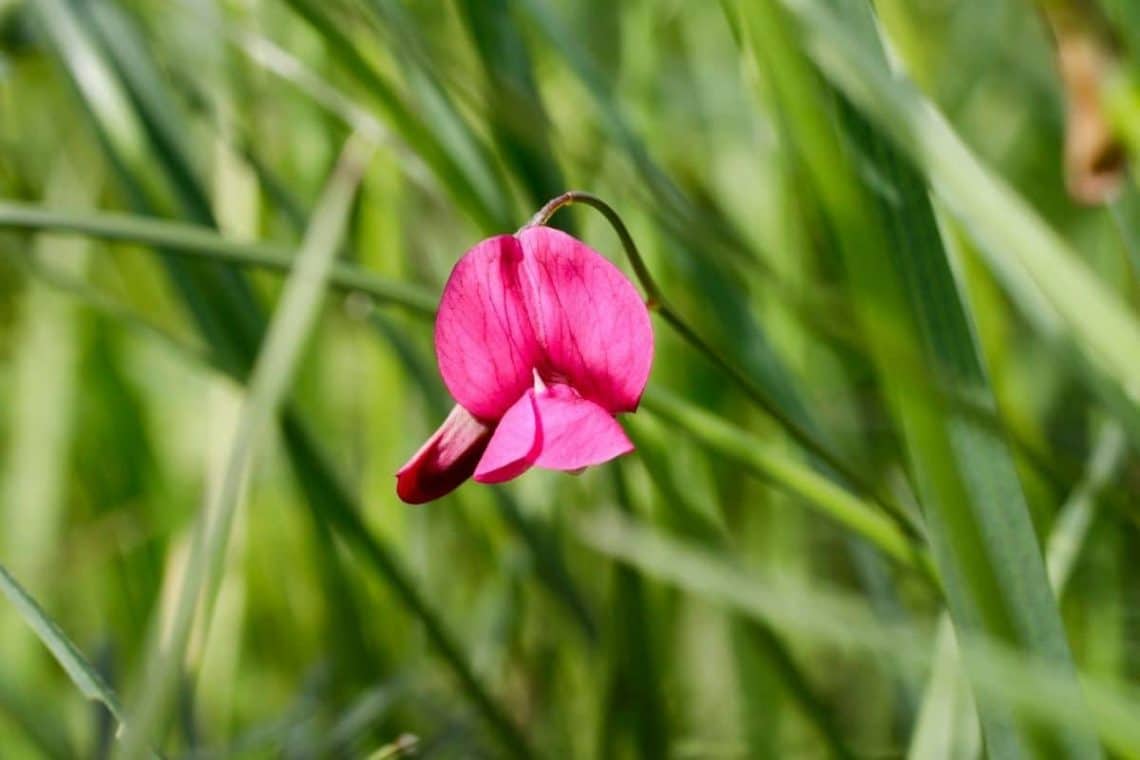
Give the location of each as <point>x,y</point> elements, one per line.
<point>895,373</point>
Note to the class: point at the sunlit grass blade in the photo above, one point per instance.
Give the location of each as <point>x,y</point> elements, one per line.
<point>978,523</point>
<point>1016,242</point>
<point>47,342</point>
<point>73,662</point>
<point>948,724</point>
<point>269,383</point>
<point>1074,520</point>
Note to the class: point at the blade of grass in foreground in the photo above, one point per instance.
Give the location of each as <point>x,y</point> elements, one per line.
<point>78,669</point>
<point>948,726</point>
<point>978,523</point>
<point>269,383</point>
<point>1018,245</point>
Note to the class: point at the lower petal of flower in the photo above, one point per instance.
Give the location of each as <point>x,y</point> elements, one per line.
<point>515,444</point>
<point>446,460</point>
<point>577,433</point>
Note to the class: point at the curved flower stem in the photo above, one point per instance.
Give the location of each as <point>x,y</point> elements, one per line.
<point>656,301</point>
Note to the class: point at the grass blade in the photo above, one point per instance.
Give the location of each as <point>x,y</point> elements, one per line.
<point>978,523</point>
<point>197,241</point>
<point>773,463</point>
<point>1017,244</point>
<point>269,383</point>
<point>948,724</point>
<point>78,669</point>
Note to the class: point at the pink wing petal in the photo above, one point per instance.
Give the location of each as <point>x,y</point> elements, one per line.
<point>577,433</point>
<point>514,445</point>
<point>592,324</point>
<point>483,337</point>
<point>445,461</point>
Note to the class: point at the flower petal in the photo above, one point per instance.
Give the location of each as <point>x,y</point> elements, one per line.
<point>514,445</point>
<point>484,341</point>
<point>577,433</point>
<point>591,322</point>
<point>445,461</point>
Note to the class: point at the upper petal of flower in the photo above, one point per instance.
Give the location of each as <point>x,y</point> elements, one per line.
<point>445,461</point>
<point>589,319</point>
<point>483,336</point>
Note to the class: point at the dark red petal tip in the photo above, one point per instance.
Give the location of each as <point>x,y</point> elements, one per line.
<point>445,461</point>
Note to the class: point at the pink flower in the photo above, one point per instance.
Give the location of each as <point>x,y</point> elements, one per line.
<point>542,341</point>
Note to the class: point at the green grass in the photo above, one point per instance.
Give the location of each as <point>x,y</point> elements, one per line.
<point>884,496</point>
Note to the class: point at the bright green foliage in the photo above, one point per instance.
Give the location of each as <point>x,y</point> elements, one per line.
<point>884,498</point>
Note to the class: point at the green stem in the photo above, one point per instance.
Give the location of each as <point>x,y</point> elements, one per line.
<point>657,302</point>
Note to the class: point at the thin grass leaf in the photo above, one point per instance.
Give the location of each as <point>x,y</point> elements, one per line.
<point>982,538</point>
<point>948,725</point>
<point>1075,519</point>
<point>78,669</point>
<point>193,240</point>
<point>426,90</point>
<point>269,383</point>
